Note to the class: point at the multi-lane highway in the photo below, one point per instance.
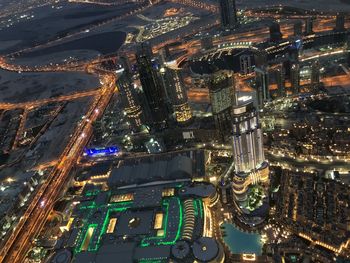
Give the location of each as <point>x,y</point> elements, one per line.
<point>30,224</point>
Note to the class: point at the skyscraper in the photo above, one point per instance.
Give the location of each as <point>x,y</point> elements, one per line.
<point>130,98</point>
<point>262,82</point>
<point>309,26</point>
<point>340,23</point>
<point>315,74</point>
<point>275,32</point>
<point>228,14</point>
<point>176,92</point>
<point>295,77</point>
<point>131,102</point>
<point>249,161</point>
<point>222,96</point>
<point>152,86</point>
<point>298,28</point>
<point>246,64</point>
<point>280,79</point>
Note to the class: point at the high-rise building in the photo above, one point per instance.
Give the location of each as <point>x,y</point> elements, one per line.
<point>131,102</point>
<point>309,26</point>
<point>275,32</point>
<point>222,97</point>
<point>152,86</point>
<point>315,74</point>
<point>125,63</point>
<point>280,79</point>
<point>262,82</point>
<point>298,28</point>
<point>176,92</point>
<point>295,77</point>
<point>228,14</point>
<point>246,64</point>
<point>249,161</point>
<point>340,23</point>
<point>260,58</point>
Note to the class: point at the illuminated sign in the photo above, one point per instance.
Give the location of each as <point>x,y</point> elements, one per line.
<point>240,110</point>
<point>101,151</point>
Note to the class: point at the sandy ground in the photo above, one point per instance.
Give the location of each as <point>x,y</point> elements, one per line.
<point>22,87</point>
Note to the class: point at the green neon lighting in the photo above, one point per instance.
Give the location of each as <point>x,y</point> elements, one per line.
<point>100,229</point>
<point>94,226</point>
<point>195,207</point>
<point>200,202</point>
<point>145,242</point>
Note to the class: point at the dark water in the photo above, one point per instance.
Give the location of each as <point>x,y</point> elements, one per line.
<point>240,242</point>
<point>104,43</point>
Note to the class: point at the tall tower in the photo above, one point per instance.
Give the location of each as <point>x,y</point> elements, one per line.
<point>340,23</point>
<point>228,14</point>
<point>295,77</point>
<point>262,85</point>
<point>176,92</point>
<point>152,86</point>
<point>309,26</point>
<point>131,102</point>
<point>315,74</point>
<point>246,64</point>
<point>280,79</point>
<point>249,161</point>
<point>298,28</point>
<point>275,32</point>
<point>222,97</point>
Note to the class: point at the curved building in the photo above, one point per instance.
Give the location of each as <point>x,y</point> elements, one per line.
<point>251,170</point>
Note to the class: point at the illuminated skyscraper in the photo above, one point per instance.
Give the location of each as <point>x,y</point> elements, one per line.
<point>280,80</point>
<point>131,103</point>
<point>262,82</point>
<point>222,96</point>
<point>295,77</point>
<point>315,74</point>
<point>152,86</point>
<point>176,92</point>
<point>129,96</point>
<point>249,161</point>
<point>228,14</point>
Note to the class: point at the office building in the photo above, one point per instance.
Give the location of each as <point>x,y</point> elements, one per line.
<point>275,32</point>
<point>228,14</point>
<point>280,75</point>
<point>152,86</point>
<point>260,58</point>
<point>340,23</point>
<point>176,92</point>
<point>222,97</point>
<point>131,102</point>
<point>315,74</point>
<point>246,64</point>
<point>309,26</point>
<point>295,77</point>
<point>298,28</point>
<point>262,85</point>
<point>251,170</point>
